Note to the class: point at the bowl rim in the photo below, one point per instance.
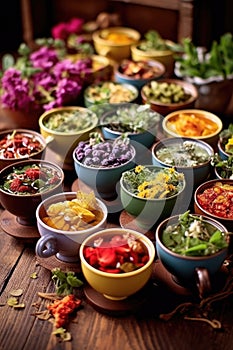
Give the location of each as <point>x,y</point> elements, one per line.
<point>108,231</point>
<point>188,87</point>
<point>220,148</point>
<point>33,161</point>
<point>47,114</point>
<point>206,218</point>
<point>128,86</point>
<point>135,49</point>
<point>201,188</point>
<point>208,115</point>
<point>64,195</point>
<point>133,33</point>
<point>201,143</point>
<point>152,63</point>
<point>128,104</point>
<point>150,199</point>
<point>104,168</point>
<point>22,131</point>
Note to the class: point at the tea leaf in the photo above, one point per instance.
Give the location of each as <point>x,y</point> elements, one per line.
<point>16,292</point>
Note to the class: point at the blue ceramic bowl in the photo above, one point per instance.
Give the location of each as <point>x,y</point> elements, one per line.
<point>156,67</point>
<point>183,267</point>
<point>141,140</point>
<point>102,180</point>
<point>221,151</point>
<point>194,175</point>
<point>147,212</point>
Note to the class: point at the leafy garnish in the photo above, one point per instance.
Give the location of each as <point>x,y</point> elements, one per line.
<point>65,282</point>
<point>193,236</point>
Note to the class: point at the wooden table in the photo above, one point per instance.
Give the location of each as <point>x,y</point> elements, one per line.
<point>139,328</point>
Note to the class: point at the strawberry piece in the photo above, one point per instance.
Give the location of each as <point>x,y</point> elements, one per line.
<point>15,184</point>
<point>106,257</point>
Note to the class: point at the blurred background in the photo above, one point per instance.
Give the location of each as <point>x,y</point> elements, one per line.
<point>203,20</point>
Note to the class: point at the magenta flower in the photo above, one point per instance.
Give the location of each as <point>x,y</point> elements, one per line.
<point>43,81</point>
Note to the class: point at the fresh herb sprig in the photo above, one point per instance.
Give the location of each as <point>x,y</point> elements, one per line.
<point>217,62</point>
<point>65,282</point>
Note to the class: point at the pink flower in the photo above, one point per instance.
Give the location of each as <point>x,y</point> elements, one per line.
<point>64,29</point>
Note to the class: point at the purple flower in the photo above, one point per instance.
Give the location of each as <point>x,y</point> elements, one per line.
<point>44,58</point>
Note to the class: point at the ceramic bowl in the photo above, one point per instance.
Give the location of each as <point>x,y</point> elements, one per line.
<point>63,139</point>
<point>103,180</point>
<point>194,123</point>
<point>138,73</point>
<point>221,150</point>
<point>109,92</point>
<point>117,286</point>
<point>23,204</point>
<point>63,242</point>
<point>168,95</point>
<point>115,42</point>
<point>179,153</point>
<point>213,198</point>
<point>185,268</point>
<point>20,144</point>
<point>146,212</point>
<point>166,57</point>
<point>140,122</point>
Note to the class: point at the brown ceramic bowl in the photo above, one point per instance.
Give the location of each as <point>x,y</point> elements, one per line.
<point>212,202</point>
<point>20,144</point>
<point>23,204</point>
<point>168,95</point>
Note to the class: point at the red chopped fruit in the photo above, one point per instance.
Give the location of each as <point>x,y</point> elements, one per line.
<point>15,184</point>
<point>34,174</point>
<point>117,255</point>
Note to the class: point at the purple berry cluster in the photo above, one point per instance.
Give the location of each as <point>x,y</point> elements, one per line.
<point>104,154</point>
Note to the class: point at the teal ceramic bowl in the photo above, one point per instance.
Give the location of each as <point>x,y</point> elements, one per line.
<point>109,92</point>
<point>221,150</point>
<point>148,212</point>
<point>140,122</point>
<point>177,151</point>
<point>183,267</point>
<point>103,181</point>
<point>138,73</point>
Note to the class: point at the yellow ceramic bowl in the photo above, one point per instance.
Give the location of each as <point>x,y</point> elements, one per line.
<point>166,57</point>
<point>64,142</point>
<point>193,123</point>
<point>115,42</point>
<point>117,286</point>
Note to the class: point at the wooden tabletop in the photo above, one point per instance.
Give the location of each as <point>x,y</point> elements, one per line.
<point>133,324</point>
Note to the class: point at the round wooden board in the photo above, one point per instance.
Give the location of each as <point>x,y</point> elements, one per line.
<point>53,262</point>
<point>163,278</point>
<point>116,307</point>
<point>11,226</point>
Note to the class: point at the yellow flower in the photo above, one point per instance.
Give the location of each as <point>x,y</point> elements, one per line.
<point>144,194</point>
<point>171,170</point>
<point>139,168</point>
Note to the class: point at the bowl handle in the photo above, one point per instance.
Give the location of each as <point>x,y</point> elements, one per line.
<point>203,281</point>
<point>46,246</point>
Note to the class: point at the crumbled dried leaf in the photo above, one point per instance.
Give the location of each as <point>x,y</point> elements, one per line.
<point>43,315</point>
<point>16,292</point>
<point>49,296</point>
<point>19,306</point>
<point>62,333</point>
<point>34,275</point>
<point>12,301</point>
